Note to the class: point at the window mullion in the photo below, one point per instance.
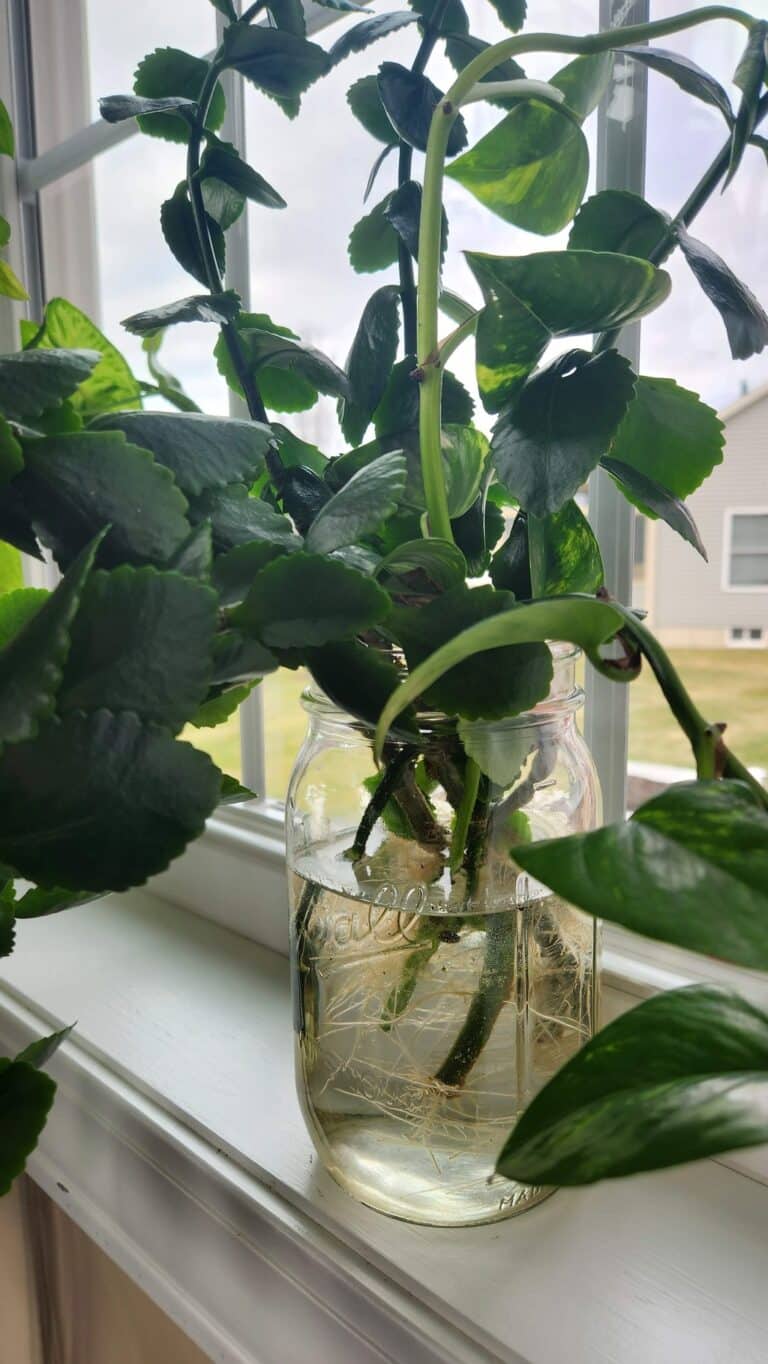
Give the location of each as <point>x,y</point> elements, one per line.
<point>621,141</point>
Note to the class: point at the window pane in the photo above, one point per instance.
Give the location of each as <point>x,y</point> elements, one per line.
<point>749,570</point>
<point>285,723</point>
<point>750,533</point>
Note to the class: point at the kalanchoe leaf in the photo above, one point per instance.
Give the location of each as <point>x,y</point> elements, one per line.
<point>368,31</point>
<point>288,15</point>
<point>233,792</point>
<point>11,458</point>
<point>294,451</point>
<point>448,18</point>
<point>680,1077</point>
<point>476,533</point>
<point>39,1052</point>
<point>111,385</point>
<point>74,486</point>
<point>504,682</point>
<point>237,658</point>
<point>685,73</point>
<point>140,797</point>
<point>563,553</point>
<point>654,500</point>
<point>26,1096</point>
<point>32,661</point>
<point>510,566</point>
<point>364,100</point>
<point>354,512</point>
<point>669,435</point>
<point>117,108</point>
<point>370,361</point>
<point>235,570</point>
<point>39,903</point>
<point>142,641</point>
<point>668,871</point>
<point>226,8</point>
<point>616,220</point>
<point>403,211</point>
<point>31,382</point>
<point>178,224</point>
<point>746,321</point>
<point>410,99</point>
<point>279,63</point>
<point>194,557</point>
<point>373,240</point>
<point>460,49</point>
<point>220,705</point>
<point>419,568</point>
<point>170,72</point>
<point>356,678</point>
<point>289,374</point>
<point>222,163</point>
<point>303,494</point>
<point>398,410</point>
<point>201,452</point>
<point>511,12</point>
<point>219,308</point>
<point>306,600</point>
<point>16,523</point>
<point>561,423</point>
<point>236,518</point>
<point>749,76</point>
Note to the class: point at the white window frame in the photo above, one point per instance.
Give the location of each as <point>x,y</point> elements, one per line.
<point>730,515</point>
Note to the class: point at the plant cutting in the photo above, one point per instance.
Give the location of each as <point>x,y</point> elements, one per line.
<point>442,820</point>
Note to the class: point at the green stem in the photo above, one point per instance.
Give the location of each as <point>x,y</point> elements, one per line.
<point>429,232</point>
<point>493,990</point>
<point>309,897</point>
<point>378,802</point>
<point>464,813</point>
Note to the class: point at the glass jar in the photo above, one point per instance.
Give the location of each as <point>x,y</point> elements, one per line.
<point>435,990</point>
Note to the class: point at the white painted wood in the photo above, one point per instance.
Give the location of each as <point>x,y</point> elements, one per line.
<point>178,1141</point>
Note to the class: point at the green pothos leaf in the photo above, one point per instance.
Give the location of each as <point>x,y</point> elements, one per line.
<point>112,384</point>
<point>564,554</point>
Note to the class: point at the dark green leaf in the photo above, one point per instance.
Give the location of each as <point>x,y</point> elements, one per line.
<point>236,518</point>
<point>749,76</point>
<point>510,567</point>
<point>7,146</point>
<point>655,500</point>
<point>234,571</point>
<point>178,224</point>
<point>461,48</point>
<point>281,64</point>
<point>142,641</point>
<point>11,458</point>
<point>529,299</point>
<point>669,871</point>
<point>564,554</point>
<point>370,361</point>
<point>226,8</point>
<point>511,12</point>
<point>369,498</point>
<point>615,220</point>
<point>356,678</point>
<point>373,240</point>
<point>111,385</point>
<point>446,18</point>
<point>288,16</point>
<point>5,229</point>
<point>194,556</point>
<point>294,451</point>
<point>398,410</point>
<point>7,923</point>
<point>38,903</point>
<point>166,72</point>
<point>421,568</point>
<point>39,1052</point>
<point>476,533</point>
<point>289,374</point>
<point>26,1095</point>
<point>118,108</point>
<point>369,31</point>
<point>403,211</point>
<point>365,102</point>
<point>232,792</point>
<point>504,682</point>
<point>33,381</point>
<point>221,163</point>
<point>669,435</point>
<point>201,452</point>
<point>139,798</point>
<point>218,308</point>
<point>16,526</point>
<point>168,386</point>
<point>220,706</point>
<point>746,321</point>
<point>410,99</point>
<point>685,73</point>
<point>240,659</point>
<point>32,662</point>
<point>77,485</point>
<point>304,600</point>
<point>561,423</point>
<point>678,1078</point>
<point>16,608</point>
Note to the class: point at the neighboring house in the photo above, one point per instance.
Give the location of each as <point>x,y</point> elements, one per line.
<point>723,603</point>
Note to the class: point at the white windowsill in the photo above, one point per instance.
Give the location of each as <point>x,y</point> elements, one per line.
<point>176,1142</point>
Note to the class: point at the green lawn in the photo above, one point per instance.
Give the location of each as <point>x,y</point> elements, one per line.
<point>726,684</point>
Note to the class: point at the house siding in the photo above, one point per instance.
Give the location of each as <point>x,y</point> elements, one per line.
<point>686,600</point>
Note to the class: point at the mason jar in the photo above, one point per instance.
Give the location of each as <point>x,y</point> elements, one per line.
<point>435,990</point>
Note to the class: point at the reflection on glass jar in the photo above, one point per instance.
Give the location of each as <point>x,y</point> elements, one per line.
<point>434,994</point>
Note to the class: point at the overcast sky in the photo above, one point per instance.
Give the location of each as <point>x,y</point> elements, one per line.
<point>299,266</point>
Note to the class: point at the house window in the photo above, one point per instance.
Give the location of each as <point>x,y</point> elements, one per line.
<point>747,563</point>
<point>746,637</point>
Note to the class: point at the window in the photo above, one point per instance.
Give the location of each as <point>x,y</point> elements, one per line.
<point>741,638</point>
<point>746,551</point>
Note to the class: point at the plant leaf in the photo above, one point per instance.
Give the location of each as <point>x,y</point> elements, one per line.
<point>11,458</point>
<point>76,485</point>
<point>142,641</point>
<point>17,607</point>
<point>576,619</point>
<point>26,1096</point>
<point>32,661</point>
<point>680,1077</point>
<point>7,146</point>
<point>370,497</point>
<point>682,857</point>
<point>421,568</point>
<point>746,321</point>
<point>31,382</point>
<point>749,76</point>
<point>564,554</point>
<point>461,48</point>
<point>39,903</point>
<point>304,600</point>
<point>670,436</point>
<point>111,385</point>
<point>410,99</point>
<point>449,18</point>
<point>510,567</point>
<point>219,308</point>
<point>170,72</point>
<point>511,13</point>
<point>509,680</point>
<point>10,284</point>
<point>368,31</point>
<point>654,500</point>
<point>685,73</point>
<point>221,163</point>
<point>560,424</point>
<point>140,797</point>
<point>465,453</point>
<point>11,575</point>
<point>373,240</point>
<point>370,361</point>
<point>236,517</point>
<point>201,452</point>
<point>289,374</point>
<point>499,750</point>
<point>194,557</point>
<point>281,64</point>
<point>403,211</point>
<point>39,1052</point>
<point>616,220</point>
<point>221,705</point>
<point>237,658</point>
<point>364,100</point>
<point>356,678</point>
<point>118,108</point>
<point>235,570</point>
<point>178,225</point>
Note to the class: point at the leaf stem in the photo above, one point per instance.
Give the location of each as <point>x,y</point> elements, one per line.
<point>378,802</point>
<point>464,813</point>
